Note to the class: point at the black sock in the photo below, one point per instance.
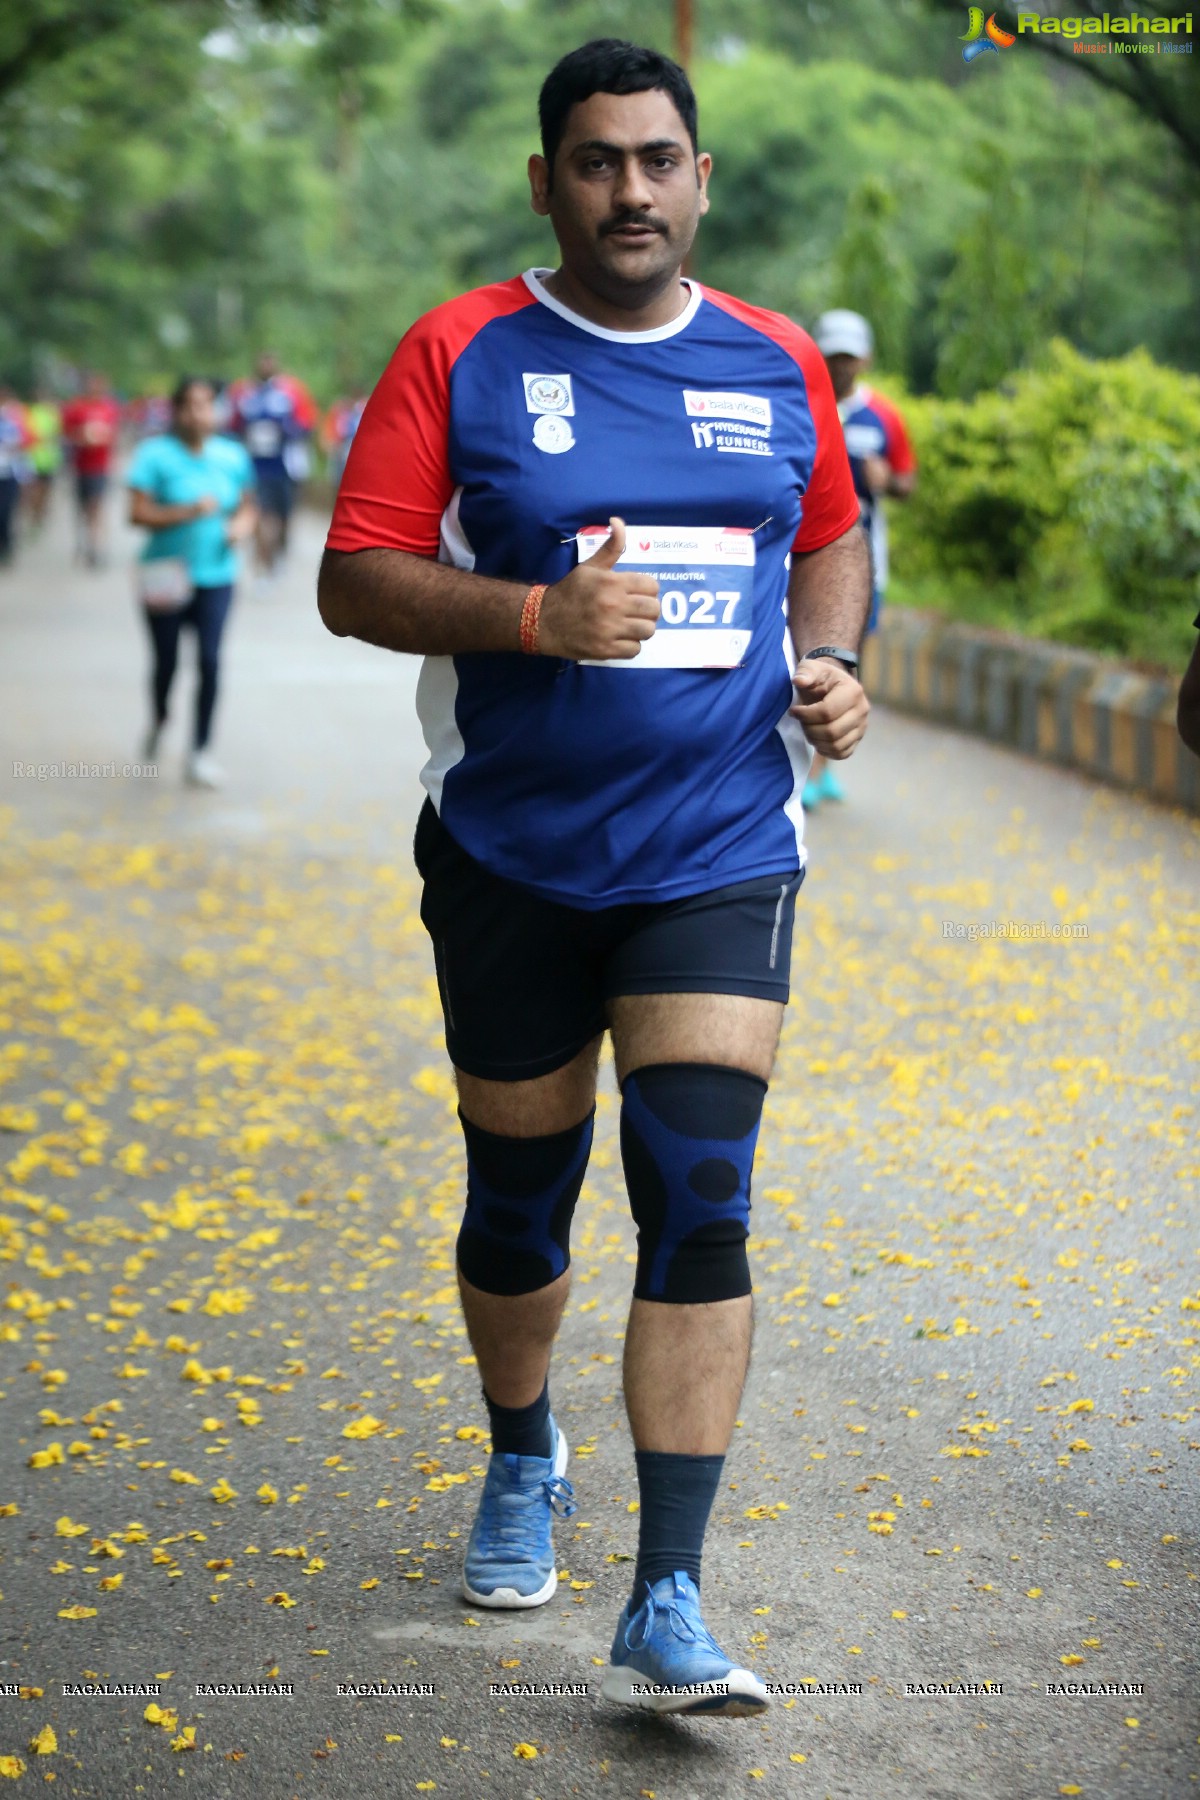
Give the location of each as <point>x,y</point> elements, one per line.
<point>521,1430</point>
<point>677,1493</point>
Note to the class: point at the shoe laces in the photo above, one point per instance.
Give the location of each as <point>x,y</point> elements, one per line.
<point>640,1628</point>
<point>517,1512</point>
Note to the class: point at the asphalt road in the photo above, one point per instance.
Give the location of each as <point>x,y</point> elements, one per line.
<point>229,1163</point>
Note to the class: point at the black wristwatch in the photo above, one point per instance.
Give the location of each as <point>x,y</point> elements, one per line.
<point>847,658</point>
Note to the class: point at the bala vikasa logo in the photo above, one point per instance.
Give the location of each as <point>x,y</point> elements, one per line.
<point>983,35</point>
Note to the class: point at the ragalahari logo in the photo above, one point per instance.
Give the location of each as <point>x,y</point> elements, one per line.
<point>983,35</point>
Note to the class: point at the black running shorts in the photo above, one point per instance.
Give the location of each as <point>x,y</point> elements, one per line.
<point>525,981</point>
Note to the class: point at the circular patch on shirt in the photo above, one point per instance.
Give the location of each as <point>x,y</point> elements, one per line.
<point>552,434</point>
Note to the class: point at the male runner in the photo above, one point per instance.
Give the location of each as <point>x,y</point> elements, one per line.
<point>274,416</point>
<point>612,836</point>
<point>881,462</point>
<point>90,424</point>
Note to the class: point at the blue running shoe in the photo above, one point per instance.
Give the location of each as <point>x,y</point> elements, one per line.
<point>665,1660</point>
<point>510,1552</point>
<point>828,785</point>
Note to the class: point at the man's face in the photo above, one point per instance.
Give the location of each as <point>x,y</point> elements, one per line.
<point>627,193</point>
<point>268,365</point>
<point>844,371</point>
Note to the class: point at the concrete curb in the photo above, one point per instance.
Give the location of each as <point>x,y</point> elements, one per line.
<point>1062,705</point>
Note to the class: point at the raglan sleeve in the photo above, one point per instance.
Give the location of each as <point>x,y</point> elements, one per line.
<point>397,481</point>
<point>829,505</point>
<point>897,443</point>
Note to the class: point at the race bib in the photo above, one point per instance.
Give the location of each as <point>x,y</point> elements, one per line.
<point>164,583</point>
<point>705,577</point>
<point>263,437</point>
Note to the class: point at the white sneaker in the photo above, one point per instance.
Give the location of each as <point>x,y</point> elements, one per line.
<point>202,771</point>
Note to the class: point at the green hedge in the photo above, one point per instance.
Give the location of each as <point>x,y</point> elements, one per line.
<point>1064,504</point>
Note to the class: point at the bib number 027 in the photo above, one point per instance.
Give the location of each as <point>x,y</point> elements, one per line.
<point>700,607</point>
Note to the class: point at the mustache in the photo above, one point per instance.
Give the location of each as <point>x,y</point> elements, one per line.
<point>638,219</point>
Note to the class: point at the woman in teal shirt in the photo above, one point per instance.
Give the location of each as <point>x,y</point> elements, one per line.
<point>195,492</point>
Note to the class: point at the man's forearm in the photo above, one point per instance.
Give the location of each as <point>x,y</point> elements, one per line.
<point>829,593</point>
<point>411,603</point>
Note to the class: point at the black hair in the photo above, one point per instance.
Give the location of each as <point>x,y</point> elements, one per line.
<point>609,66</point>
<point>179,392</point>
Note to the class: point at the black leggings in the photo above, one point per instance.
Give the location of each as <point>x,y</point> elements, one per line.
<point>207,610</point>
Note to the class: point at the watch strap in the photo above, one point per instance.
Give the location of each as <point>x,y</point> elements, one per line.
<point>835,650</point>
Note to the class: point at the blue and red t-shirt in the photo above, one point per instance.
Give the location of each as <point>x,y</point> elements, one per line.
<point>873,427</point>
<point>504,425</point>
<point>270,417</point>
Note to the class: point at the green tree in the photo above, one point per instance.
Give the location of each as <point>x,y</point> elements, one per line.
<point>869,274</point>
<point>986,313</point>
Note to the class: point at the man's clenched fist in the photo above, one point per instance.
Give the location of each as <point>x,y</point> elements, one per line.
<point>831,706</point>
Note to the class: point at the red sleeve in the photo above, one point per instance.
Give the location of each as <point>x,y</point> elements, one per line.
<point>70,420</point>
<point>897,446</point>
<point>303,405</point>
<point>829,506</point>
<point>398,480</point>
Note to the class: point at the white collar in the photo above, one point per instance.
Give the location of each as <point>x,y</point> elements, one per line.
<point>533,279</point>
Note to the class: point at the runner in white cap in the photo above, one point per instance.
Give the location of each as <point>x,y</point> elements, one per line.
<point>881,461</point>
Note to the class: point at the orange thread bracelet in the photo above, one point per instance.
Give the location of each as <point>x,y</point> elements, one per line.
<point>531,614</point>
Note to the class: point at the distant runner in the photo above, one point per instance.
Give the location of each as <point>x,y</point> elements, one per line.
<point>44,416</point>
<point>91,423</point>
<point>195,491</point>
<point>338,429</point>
<point>274,416</point>
<point>881,461</point>
<point>15,439</point>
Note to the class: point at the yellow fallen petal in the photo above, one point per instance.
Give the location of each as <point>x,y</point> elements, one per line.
<point>365,1427</point>
<point>66,1527</point>
<point>45,1743</point>
<point>77,1612</point>
<point>11,1767</point>
<point>526,1751</point>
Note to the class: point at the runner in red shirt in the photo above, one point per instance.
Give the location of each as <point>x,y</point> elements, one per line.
<point>90,425</point>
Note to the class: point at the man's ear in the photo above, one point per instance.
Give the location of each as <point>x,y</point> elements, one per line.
<point>703,171</point>
<point>539,185</point>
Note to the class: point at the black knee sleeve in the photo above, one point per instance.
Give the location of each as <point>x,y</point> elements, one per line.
<point>521,1193</point>
<point>688,1134</point>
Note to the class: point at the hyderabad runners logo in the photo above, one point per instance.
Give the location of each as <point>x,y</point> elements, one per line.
<point>981,35</point>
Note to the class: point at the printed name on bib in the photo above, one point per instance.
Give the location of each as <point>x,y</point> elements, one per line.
<point>705,577</point>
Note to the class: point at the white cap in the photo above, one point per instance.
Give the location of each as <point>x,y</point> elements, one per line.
<point>843,333</point>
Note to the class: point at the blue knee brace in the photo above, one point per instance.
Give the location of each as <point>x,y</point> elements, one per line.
<point>688,1132</point>
<point>521,1193</point>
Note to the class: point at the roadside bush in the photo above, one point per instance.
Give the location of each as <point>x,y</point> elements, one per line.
<point>1066,502</point>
